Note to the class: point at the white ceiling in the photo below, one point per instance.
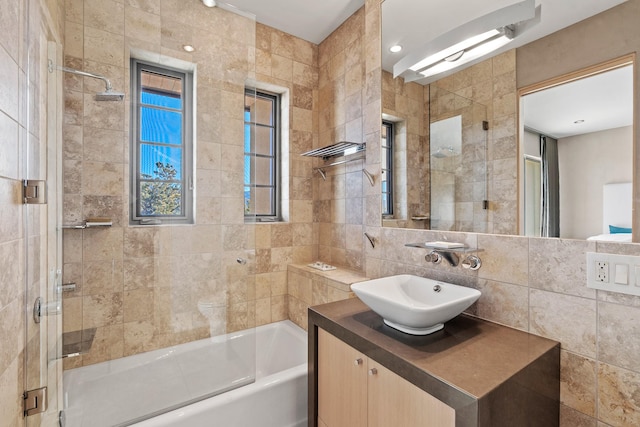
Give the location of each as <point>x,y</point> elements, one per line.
<point>603,101</point>
<point>309,20</point>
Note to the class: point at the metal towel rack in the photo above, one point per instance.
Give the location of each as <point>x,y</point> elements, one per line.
<point>339,149</point>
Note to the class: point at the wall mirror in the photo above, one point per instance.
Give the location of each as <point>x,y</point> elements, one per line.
<point>576,155</point>
<point>434,148</point>
<point>414,108</point>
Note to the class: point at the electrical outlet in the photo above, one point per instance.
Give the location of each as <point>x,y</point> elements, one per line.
<point>613,272</point>
<point>602,271</point>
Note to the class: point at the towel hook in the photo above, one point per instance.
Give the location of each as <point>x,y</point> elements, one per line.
<point>369,176</point>
<point>372,240</point>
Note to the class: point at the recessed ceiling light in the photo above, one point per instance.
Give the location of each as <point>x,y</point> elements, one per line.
<point>188,48</point>
<point>395,48</point>
<point>579,121</point>
<point>209,3</point>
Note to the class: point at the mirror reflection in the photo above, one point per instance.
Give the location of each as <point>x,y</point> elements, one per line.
<point>434,152</point>
<point>457,158</point>
<point>518,166</point>
<point>577,154</point>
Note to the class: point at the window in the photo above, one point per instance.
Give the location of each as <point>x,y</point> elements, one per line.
<point>161,145</point>
<point>386,164</point>
<point>261,152</point>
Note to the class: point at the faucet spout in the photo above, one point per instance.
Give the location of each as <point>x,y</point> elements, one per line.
<point>451,257</point>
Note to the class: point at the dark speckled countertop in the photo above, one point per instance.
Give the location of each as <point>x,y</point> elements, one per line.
<point>472,365</point>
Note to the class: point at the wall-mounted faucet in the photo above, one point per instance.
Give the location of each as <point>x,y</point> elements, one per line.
<point>437,255</point>
<point>450,252</point>
<point>433,257</point>
<point>472,262</point>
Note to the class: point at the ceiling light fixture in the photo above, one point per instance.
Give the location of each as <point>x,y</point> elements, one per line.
<point>188,48</point>
<point>466,43</point>
<point>209,3</point>
<point>478,50</point>
<point>395,48</point>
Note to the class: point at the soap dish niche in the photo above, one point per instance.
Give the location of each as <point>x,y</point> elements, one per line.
<point>319,265</point>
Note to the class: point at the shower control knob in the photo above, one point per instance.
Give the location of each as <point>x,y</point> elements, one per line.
<point>358,361</point>
<point>373,371</point>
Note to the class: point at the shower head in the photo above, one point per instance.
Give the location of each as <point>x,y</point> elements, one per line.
<point>439,155</point>
<point>443,152</point>
<point>109,95</point>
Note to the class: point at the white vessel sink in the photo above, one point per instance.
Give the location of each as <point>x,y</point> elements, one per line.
<point>414,304</point>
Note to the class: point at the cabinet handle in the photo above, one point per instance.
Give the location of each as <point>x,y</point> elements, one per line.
<point>358,361</point>
<point>373,371</point>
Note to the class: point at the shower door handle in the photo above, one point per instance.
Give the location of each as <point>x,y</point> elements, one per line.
<point>40,308</point>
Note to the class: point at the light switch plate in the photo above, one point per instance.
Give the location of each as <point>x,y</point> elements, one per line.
<point>623,276</point>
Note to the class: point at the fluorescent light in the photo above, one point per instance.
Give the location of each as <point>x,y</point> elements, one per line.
<point>465,44</point>
<point>469,55</point>
<point>468,42</point>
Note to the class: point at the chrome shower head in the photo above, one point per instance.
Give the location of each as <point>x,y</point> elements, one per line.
<point>109,95</point>
<point>443,152</point>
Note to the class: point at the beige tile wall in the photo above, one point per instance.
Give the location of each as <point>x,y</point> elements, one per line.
<point>459,181</point>
<point>492,84</point>
<point>140,287</point>
<point>289,62</point>
<point>409,104</point>
<point>338,201</point>
<point>26,26</point>
<point>309,287</point>
<point>349,107</point>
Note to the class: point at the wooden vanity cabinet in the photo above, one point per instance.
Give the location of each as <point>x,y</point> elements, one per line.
<point>355,391</point>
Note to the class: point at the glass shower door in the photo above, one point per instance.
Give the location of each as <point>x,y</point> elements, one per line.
<point>171,307</point>
<point>42,239</point>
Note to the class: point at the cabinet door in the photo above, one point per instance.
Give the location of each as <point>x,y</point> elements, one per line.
<point>342,383</point>
<point>394,401</point>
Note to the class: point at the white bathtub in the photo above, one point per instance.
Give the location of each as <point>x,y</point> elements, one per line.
<point>277,398</point>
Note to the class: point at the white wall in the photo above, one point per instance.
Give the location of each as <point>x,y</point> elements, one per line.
<point>586,163</point>
<point>531,144</point>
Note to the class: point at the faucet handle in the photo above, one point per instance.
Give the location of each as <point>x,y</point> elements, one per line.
<point>433,257</point>
<point>472,262</point>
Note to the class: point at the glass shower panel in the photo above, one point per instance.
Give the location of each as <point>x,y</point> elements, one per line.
<point>169,309</point>
<point>458,162</point>
<point>41,154</point>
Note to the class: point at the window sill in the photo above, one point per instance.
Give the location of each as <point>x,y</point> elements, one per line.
<point>263,220</point>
